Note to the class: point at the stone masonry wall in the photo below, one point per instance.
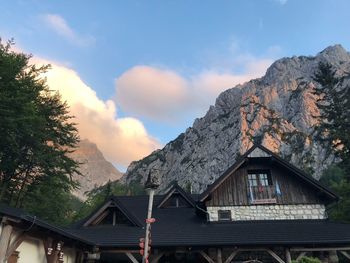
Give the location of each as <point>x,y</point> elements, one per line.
<point>270,212</point>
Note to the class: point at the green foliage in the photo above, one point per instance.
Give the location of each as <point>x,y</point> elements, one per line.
<point>307,260</point>
<point>36,135</point>
<point>99,195</point>
<point>335,178</point>
<point>334,105</point>
<point>51,200</point>
<point>333,131</point>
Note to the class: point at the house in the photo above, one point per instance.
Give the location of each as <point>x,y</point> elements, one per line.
<point>27,239</point>
<point>261,208</point>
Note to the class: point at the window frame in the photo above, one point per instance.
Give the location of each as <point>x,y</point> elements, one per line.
<point>224,219</point>
<point>259,173</point>
<point>259,181</point>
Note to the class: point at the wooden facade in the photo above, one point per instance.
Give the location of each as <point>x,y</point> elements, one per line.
<point>234,191</point>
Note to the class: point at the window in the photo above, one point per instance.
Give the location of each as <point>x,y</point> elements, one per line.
<point>112,216</point>
<point>224,215</point>
<point>260,187</point>
<point>176,201</point>
<point>259,178</point>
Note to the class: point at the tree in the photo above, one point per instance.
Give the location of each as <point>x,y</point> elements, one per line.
<point>334,119</point>
<point>36,133</point>
<point>334,130</point>
<point>307,260</point>
<point>99,195</point>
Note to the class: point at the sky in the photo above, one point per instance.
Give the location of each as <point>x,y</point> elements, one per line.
<point>137,73</point>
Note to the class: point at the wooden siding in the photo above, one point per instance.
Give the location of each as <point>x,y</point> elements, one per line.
<point>235,191</point>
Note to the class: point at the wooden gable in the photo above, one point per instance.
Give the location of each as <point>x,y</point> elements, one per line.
<point>112,213</point>
<point>176,197</point>
<point>261,177</point>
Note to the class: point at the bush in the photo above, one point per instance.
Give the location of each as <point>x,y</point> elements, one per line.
<point>307,260</point>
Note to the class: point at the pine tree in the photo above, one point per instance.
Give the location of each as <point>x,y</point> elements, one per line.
<point>334,131</point>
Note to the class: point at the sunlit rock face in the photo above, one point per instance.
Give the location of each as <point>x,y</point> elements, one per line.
<point>95,169</point>
<point>279,109</point>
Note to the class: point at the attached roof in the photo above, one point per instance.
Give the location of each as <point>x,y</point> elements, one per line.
<point>182,227</point>
<point>115,202</point>
<point>15,213</point>
<point>176,189</point>
<point>259,151</point>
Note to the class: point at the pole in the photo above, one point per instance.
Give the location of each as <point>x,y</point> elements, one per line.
<point>148,224</point>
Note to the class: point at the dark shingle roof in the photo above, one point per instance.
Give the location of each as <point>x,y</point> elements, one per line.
<point>17,213</point>
<point>182,227</point>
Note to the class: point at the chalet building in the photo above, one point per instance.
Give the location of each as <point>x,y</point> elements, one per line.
<point>262,208</point>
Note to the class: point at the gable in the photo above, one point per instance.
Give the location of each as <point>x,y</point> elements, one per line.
<point>263,182</point>
<point>176,197</point>
<point>258,152</point>
<point>111,213</point>
<point>266,156</point>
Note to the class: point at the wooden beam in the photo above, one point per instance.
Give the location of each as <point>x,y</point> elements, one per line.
<point>302,254</point>
<point>301,249</point>
<point>345,254</point>
<point>275,256</point>
<point>15,244</point>
<point>206,256</point>
<point>288,256</point>
<point>219,256</point>
<point>121,251</point>
<point>157,257</point>
<point>131,257</point>
<point>232,255</point>
<point>5,238</point>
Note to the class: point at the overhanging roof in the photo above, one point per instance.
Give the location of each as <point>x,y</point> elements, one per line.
<point>268,154</point>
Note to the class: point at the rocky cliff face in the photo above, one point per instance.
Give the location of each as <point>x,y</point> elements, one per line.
<point>95,169</point>
<point>278,108</point>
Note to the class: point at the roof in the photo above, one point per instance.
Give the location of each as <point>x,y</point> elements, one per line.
<point>114,201</point>
<point>22,215</point>
<point>183,227</point>
<point>176,189</point>
<point>269,154</point>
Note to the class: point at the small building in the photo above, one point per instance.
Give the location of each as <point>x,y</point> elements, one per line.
<point>27,239</point>
<point>262,208</point>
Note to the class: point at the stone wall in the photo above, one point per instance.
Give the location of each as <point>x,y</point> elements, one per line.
<point>270,212</point>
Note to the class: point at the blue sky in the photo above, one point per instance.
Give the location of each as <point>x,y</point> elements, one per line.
<point>151,67</point>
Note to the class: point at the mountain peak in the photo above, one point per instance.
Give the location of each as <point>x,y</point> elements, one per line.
<point>279,108</point>
<point>334,54</point>
<point>336,49</point>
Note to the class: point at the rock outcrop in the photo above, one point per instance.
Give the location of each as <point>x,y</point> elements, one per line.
<point>95,169</point>
<point>279,109</point>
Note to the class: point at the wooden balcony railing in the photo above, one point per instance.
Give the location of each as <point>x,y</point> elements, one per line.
<point>262,194</point>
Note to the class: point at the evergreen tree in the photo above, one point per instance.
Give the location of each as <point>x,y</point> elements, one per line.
<point>334,131</point>
<point>36,134</point>
<point>334,119</point>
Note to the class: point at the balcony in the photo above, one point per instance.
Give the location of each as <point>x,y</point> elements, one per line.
<point>262,194</point>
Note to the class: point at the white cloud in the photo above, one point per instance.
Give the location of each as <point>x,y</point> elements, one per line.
<point>152,92</point>
<point>165,95</point>
<point>122,140</point>
<point>61,27</point>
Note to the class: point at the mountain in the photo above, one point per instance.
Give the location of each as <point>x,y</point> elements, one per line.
<point>276,109</point>
<point>96,170</point>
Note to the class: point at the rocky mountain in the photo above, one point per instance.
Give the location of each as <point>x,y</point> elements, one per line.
<point>278,109</point>
<point>96,170</point>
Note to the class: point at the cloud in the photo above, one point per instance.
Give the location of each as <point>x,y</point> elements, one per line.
<point>61,27</point>
<point>121,140</point>
<point>152,92</point>
<point>165,95</point>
